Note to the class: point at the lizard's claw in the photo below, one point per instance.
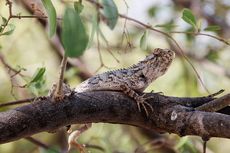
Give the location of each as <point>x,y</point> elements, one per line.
<point>141,101</point>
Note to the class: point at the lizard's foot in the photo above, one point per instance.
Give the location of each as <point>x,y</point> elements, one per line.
<point>141,101</point>
<point>72,140</point>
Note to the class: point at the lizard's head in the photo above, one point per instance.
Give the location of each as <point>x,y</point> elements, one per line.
<point>157,63</point>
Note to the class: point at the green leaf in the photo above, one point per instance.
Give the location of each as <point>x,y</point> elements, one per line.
<point>78,6</point>
<point>110,12</point>
<point>212,28</point>
<point>4,20</point>
<point>213,56</point>
<point>167,26</point>
<point>74,37</point>
<point>52,16</point>
<point>152,11</point>
<point>39,87</point>
<point>143,41</point>
<point>182,141</point>
<point>10,30</point>
<point>189,17</point>
<point>198,25</point>
<point>37,83</point>
<point>38,75</point>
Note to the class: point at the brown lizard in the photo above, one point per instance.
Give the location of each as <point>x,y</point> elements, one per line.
<point>132,81</point>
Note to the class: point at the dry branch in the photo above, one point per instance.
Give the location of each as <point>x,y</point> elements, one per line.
<point>113,107</point>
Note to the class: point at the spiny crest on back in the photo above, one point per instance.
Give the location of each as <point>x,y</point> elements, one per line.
<point>137,77</point>
<point>160,57</point>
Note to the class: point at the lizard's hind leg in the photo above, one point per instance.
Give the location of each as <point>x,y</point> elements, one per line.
<point>72,140</point>
<point>140,99</point>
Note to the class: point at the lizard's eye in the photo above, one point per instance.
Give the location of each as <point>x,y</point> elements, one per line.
<point>142,76</point>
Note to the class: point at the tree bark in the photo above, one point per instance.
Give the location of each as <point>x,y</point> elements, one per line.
<point>171,114</point>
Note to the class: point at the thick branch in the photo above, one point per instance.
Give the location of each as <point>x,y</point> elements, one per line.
<point>111,107</point>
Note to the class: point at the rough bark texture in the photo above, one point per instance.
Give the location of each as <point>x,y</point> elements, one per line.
<point>169,115</point>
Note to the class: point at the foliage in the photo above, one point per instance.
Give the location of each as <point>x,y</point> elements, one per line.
<point>10,27</point>
<point>36,84</point>
<point>78,6</point>
<point>212,28</point>
<point>143,41</point>
<point>189,18</point>
<point>110,13</point>
<point>74,37</point>
<point>51,16</point>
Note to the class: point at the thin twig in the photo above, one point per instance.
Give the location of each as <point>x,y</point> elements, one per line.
<point>59,89</point>
<point>28,100</point>
<point>126,32</point>
<point>11,16</point>
<point>216,93</point>
<point>99,52</point>
<point>12,74</point>
<point>32,16</point>
<point>9,3</point>
<point>98,44</point>
<point>202,34</point>
<point>216,104</point>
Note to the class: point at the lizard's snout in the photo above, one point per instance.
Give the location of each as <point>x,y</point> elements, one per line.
<point>171,53</point>
<point>164,53</point>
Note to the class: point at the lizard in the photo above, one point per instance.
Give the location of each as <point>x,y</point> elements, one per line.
<point>132,80</point>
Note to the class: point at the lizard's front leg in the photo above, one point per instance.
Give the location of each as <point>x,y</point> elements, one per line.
<point>140,99</point>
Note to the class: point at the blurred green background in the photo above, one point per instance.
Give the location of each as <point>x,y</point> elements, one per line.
<point>29,48</point>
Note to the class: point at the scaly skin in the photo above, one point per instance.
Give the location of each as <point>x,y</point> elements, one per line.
<point>132,80</point>
<point>137,77</point>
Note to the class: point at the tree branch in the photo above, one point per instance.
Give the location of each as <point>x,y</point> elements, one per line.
<point>112,107</point>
